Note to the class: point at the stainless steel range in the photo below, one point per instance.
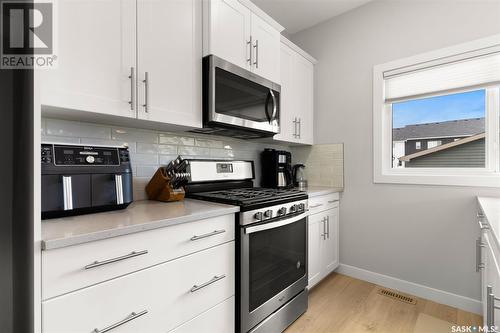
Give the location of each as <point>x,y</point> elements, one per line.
<point>271,247</point>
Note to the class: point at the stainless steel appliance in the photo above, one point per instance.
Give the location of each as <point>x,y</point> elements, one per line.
<point>80,179</point>
<point>299,178</point>
<point>271,243</point>
<point>276,169</point>
<point>238,103</point>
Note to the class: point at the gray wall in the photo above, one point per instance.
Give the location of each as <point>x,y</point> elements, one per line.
<point>422,234</point>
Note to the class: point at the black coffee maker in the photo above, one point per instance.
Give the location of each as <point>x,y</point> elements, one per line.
<point>276,168</point>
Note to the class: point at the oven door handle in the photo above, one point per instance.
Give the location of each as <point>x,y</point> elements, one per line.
<point>276,224</point>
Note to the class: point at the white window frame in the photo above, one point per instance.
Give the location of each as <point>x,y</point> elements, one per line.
<point>383,172</point>
<point>418,145</point>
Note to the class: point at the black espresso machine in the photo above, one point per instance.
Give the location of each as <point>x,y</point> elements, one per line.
<point>78,179</point>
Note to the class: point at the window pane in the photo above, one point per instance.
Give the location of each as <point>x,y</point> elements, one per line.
<point>440,132</point>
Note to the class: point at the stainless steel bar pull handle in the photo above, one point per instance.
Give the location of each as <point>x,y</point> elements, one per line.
<point>256,46</point>
<point>67,193</point>
<point>130,317</point>
<point>119,189</point>
<point>120,258</point>
<point>300,128</point>
<point>146,92</point>
<point>295,127</point>
<point>316,206</point>
<point>249,43</point>
<point>479,245</point>
<point>132,90</point>
<point>324,228</point>
<point>328,227</point>
<point>213,233</point>
<point>203,285</point>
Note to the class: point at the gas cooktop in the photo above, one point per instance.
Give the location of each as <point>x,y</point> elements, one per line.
<point>253,196</point>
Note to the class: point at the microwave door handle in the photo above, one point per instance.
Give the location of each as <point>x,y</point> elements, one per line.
<point>266,107</point>
<point>275,107</point>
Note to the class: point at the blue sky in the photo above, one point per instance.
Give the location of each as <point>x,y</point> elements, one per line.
<point>435,109</point>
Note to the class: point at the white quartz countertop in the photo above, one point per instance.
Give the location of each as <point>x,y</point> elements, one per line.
<point>491,209</point>
<point>316,191</point>
<point>139,216</point>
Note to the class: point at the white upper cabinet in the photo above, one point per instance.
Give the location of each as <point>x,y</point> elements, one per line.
<point>288,115</point>
<point>239,32</point>
<point>106,48</point>
<point>169,61</point>
<point>297,95</point>
<point>265,49</point>
<point>304,94</point>
<point>96,52</point>
<point>227,31</point>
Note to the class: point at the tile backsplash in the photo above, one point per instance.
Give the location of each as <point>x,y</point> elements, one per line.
<point>150,149</point>
<point>324,163</point>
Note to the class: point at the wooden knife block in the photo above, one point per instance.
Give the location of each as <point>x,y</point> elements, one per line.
<point>159,188</point>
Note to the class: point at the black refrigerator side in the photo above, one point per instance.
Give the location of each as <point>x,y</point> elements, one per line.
<point>16,200</point>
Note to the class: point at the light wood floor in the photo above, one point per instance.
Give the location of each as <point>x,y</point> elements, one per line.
<point>343,304</point>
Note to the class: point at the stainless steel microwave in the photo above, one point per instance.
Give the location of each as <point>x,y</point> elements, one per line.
<point>237,102</point>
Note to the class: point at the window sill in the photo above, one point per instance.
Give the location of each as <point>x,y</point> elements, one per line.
<point>484,180</point>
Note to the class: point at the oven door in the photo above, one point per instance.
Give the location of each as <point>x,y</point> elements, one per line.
<point>239,98</point>
<point>273,267</point>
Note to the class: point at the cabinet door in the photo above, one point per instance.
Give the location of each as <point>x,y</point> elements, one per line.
<point>330,248</point>
<point>288,109</point>
<point>172,293</point>
<point>169,61</point>
<point>491,278</point>
<point>305,98</point>
<point>265,49</point>
<point>315,243</point>
<point>95,54</point>
<point>228,32</point>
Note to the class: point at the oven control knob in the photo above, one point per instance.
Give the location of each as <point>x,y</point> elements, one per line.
<point>259,216</point>
<point>90,159</point>
<point>268,214</point>
<point>282,211</point>
<point>302,207</point>
<point>293,209</point>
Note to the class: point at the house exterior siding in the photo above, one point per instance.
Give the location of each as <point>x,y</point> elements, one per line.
<point>468,155</point>
<point>410,144</point>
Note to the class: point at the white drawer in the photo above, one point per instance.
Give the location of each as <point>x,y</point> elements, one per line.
<point>67,269</point>
<point>219,319</point>
<point>323,202</point>
<point>164,291</point>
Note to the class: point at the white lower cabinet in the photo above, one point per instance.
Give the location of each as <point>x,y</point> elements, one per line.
<point>323,244</point>
<point>487,262</point>
<point>219,319</point>
<point>490,281</point>
<point>156,299</point>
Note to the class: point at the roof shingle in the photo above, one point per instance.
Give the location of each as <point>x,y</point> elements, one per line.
<point>452,128</point>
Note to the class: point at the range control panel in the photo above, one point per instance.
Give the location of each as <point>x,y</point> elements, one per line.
<point>67,155</point>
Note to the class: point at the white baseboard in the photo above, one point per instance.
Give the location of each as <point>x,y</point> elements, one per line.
<point>436,295</point>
